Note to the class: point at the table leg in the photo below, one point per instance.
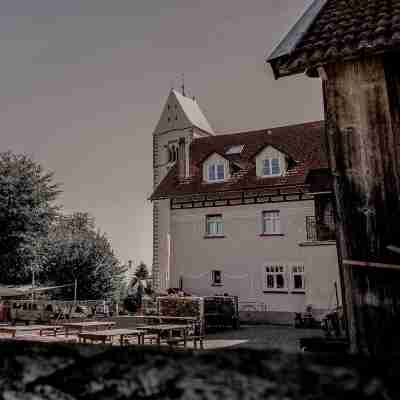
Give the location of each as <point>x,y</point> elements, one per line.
<point>121,340</point>
<point>159,338</point>
<point>184,337</point>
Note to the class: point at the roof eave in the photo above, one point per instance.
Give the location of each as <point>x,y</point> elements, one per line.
<point>288,44</point>
<point>299,29</point>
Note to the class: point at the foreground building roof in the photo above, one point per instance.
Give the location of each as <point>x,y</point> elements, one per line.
<point>303,144</point>
<point>332,30</point>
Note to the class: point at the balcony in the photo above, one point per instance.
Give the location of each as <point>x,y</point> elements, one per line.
<point>320,231</point>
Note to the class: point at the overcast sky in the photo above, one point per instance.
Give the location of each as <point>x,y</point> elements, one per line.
<point>83,83</point>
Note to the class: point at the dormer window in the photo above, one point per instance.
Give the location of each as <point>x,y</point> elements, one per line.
<point>271,167</point>
<point>216,172</point>
<point>271,162</point>
<point>216,169</point>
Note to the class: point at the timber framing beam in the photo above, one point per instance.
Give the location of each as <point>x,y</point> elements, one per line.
<point>238,198</point>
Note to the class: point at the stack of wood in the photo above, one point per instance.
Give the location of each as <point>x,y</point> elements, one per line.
<point>180,306</point>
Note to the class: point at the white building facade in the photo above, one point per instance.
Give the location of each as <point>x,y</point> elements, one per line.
<point>247,214</point>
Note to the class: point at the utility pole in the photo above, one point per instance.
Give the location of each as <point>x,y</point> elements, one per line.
<point>33,284</point>
<point>75,290</point>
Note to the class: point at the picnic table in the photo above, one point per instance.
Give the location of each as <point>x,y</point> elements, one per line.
<point>169,329</point>
<point>108,334</point>
<point>41,339</point>
<point>80,326</point>
<point>13,330</point>
<point>165,317</point>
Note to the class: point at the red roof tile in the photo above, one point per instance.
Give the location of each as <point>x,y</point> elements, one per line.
<point>303,143</point>
<point>342,29</point>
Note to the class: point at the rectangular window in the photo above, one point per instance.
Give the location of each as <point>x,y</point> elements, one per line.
<point>271,167</point>
<point>266,167</point>
<point>214,225</point>
<point>271,223</point>
<point>211,172</point>
<point>220,172</point>
<point>298,279</point>
<point>275,167</point>
<point>216,278</point>
<point>216,172</point>
<point>275,278</point>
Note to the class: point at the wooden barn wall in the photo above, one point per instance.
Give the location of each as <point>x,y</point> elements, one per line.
<point>362,130</point>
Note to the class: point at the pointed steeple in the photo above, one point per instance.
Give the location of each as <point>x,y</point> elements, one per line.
<point>181,112</point>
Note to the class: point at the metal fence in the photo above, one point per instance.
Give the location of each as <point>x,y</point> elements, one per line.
<point>318,230</point>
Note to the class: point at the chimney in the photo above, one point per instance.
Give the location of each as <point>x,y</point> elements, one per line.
<point>182,173</point>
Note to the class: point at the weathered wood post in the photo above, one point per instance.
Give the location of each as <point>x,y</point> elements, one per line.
<point>354,48</point>
<point>363,135</point>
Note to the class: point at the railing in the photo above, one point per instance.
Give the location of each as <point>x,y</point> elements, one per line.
<point>320,230</point>
<point>251,306</point>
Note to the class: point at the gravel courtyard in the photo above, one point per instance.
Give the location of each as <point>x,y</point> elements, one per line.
<point>260,337</point>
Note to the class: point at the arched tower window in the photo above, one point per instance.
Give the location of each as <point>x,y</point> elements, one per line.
<point>172,153</point>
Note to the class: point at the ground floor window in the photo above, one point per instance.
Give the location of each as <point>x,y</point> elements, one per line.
<point>298,279</point>
<point>275,277</point>
<point>284,277</point>
<point>216,278</point>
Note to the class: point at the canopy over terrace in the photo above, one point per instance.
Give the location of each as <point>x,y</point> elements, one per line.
<point>354,47</point>
<point>15,291</point>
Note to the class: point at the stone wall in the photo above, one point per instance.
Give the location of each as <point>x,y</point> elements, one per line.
<point>70,372</point>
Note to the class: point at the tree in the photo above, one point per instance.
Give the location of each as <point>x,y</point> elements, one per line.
<point>27,209</point>
<point>79,252</point>
<point>142,271</point>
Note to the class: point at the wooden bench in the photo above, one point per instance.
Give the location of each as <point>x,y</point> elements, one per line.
<point>175,341</point>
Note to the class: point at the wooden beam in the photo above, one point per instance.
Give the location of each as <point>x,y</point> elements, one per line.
<point>354,263</point>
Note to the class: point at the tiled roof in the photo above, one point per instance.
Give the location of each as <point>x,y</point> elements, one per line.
<point>339,30</point>
<point>303,144</point>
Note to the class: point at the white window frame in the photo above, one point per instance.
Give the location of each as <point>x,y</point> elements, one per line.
<point>271,223</point>
<point>272,271</point>
<point>268,161</point>
<point>213,277</point>
<point>216,165</point>
<point>298,270</point>
<point>218,228</point>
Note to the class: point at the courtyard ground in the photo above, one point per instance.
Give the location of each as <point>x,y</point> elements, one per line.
<point>260,337</point>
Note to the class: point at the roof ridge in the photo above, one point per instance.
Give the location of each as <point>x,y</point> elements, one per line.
<point>255,131</point>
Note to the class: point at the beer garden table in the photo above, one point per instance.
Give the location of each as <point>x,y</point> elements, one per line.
<point>80,326</point>
<point>40,339</point>
<point>102,336</point>
<point>13,330</point>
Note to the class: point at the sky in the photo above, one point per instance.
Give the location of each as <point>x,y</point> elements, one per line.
<point>83,83</point>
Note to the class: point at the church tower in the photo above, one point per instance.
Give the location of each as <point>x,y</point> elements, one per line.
<point>180,123</point>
